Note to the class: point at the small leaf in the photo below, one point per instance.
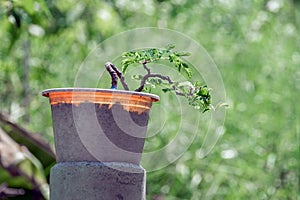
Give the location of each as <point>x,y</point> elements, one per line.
<point>170,46</point>
<point>171,58</point>
<point>185,65</point>
<point>188,72</point>
<point>127,54</point>
<point>137,55</point>
<point>183,53</point>
<point>178,66</point>
<point>197,84</point>
<point>126,61</point>
<point>166,90</point>
<point>137,77</point>
<point>124,68</point>
<point>206,109</point>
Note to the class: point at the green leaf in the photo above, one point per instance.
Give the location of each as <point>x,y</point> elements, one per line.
<point>124,68</point>
<point>188,72</point>
<point>185,65</point>
<point>178,65</point>
<point>166,90</point>
<point>137,55</point>
<point>171,58</point>
<point>170,46</point>
<point>128,54</point>
<point>183,54</point>
<point>137,77</point>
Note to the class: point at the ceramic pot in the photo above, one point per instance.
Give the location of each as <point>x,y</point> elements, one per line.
<point>99,125</point>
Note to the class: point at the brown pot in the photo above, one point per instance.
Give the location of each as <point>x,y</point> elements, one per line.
<point>99,124</point>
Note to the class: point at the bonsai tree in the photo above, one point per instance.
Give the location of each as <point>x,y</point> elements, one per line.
<point>197,95</point>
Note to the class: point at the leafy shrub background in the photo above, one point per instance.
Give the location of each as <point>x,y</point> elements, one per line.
<point>255,45</point>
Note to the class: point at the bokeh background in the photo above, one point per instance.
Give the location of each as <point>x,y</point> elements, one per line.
<point>255,44</point>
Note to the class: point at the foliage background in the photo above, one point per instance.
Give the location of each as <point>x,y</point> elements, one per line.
<point>255,45</point>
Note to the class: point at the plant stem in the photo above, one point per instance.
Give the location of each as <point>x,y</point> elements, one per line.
<point>149,75</point>
<point>115,73</point>
<point>121,77</point>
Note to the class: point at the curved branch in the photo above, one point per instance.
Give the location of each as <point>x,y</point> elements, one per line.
<point>166,78</point>
<point>149,75</point>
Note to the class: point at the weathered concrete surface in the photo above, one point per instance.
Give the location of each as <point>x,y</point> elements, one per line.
<point>97,181</point>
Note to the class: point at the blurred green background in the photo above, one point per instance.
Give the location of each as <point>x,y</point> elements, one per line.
<point>255,44</point>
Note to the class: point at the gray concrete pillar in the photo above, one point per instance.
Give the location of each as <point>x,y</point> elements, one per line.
<point>97,181</point>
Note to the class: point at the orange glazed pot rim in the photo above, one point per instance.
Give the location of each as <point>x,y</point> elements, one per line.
<point>130,100</point>
<point>46,93</point>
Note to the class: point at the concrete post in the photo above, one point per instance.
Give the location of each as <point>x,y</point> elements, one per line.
<point>97,181</point>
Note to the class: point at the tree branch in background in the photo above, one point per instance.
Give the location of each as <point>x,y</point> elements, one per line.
<point>34,138</point>
<point>26,87</point>
<point>18,161</point>
<point>5,191</point>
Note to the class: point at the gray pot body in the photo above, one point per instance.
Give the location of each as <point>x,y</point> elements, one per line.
<point>99,125</point>
<point>94,132</point>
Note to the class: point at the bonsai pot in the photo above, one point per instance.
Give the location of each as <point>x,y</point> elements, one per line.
<point>99,125</point>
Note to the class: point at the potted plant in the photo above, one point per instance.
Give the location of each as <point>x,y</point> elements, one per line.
<point>114,110</point>
<point>109,125</point>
